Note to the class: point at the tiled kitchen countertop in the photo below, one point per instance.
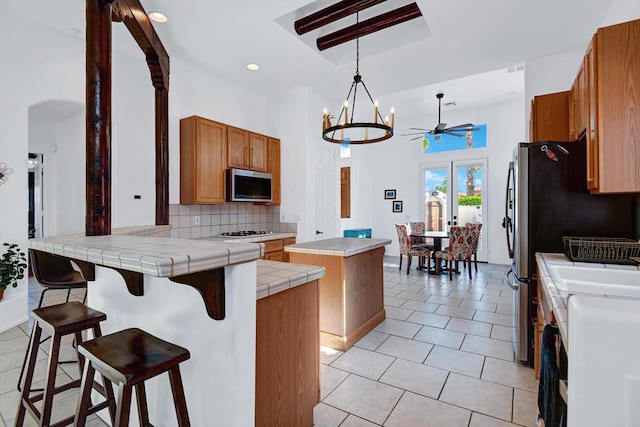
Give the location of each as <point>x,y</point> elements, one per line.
<point>558,298</point>
<point>156,256</point>
<point>274,277</point>
<point>250,239</point>
<point>340,246</point>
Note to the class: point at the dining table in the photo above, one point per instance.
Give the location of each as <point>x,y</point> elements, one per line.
<point>437,237</point>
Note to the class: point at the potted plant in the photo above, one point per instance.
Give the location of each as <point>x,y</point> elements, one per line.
<point>13,263</point>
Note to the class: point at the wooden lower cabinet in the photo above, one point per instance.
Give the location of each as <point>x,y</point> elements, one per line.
<point>273,249</point>
<point>288,357</point>
<point>285,242</point>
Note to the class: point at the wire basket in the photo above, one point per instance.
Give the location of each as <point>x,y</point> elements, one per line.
<point>606,250</point>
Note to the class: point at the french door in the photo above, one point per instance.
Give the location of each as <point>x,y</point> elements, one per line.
<point>455,194</point>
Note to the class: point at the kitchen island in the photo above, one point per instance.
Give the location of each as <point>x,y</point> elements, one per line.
<point>351,292</point>
<point>596,308</point>
<point>197,294</point>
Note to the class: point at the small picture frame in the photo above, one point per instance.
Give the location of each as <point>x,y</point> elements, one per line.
<point>389,194</point>
<point>397,206</point>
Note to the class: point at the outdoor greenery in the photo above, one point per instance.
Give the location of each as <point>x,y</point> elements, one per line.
<point>469,200</point>
<point>12,266</point>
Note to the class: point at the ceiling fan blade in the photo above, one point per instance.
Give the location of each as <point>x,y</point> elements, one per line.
<point>420,129</point>
<point>465,126</point>
<point>441,127</point>
<point>413,133</point>
<point>453,134</point>
<point>417,137</point>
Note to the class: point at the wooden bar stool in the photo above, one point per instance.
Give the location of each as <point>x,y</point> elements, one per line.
<point>52,272</point>
<point>129,358</point>
<point>59,320</point>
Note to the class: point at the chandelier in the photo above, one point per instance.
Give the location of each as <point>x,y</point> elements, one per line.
<point>348,129</point>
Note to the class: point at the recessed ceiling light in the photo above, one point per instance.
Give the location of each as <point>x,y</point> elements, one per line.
<point>158,17</point>
<point>253,67</point>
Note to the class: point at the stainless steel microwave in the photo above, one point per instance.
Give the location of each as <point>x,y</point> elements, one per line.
<point>248,186</point>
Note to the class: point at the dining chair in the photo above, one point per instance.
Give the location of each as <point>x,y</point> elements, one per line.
<point>419,227</point>
<point>459,249</point>
<point>475,238</point>
<point>406,248</point>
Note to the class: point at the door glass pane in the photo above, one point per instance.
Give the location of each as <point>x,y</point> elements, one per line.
<point>469,194</point>
<point>435,196</point>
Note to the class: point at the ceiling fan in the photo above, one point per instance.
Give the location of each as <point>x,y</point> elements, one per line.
<point>442,128</point>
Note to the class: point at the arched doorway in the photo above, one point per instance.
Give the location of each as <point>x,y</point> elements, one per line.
<point>56,167</point>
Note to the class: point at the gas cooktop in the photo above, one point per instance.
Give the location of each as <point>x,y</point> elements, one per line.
<point>243,233</point>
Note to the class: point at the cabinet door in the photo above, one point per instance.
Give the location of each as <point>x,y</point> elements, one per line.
<point>592,108</point>
<point>274,256</point>
<point>238,147</point>
<point>617,59</point>
<point>257,152</point>
<point>203,154</point>
<point>573,115</point>
<point>273,150</point>
<point>582,101</point>
<point>550,117</point>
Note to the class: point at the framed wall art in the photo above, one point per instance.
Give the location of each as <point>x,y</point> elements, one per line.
<point>397,206</point>
<point>389,194</point>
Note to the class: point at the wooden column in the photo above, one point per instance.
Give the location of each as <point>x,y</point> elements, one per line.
<point>162,156</point>
<point>98,120</point>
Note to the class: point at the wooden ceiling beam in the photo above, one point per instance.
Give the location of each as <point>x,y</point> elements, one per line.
<point>331,14</point>
<point>377,23</point>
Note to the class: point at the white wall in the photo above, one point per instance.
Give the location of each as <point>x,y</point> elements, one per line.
<point>396,164</point>
<point>67,199</point>
<point>622,11</point>
<point>35,68</point>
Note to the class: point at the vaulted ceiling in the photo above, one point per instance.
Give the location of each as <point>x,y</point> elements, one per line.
<point>452,39</point>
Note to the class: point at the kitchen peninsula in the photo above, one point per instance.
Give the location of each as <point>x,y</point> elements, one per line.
<point>351,292</point>
<point>197,294</point>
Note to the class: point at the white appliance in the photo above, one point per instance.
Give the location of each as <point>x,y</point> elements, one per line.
<point>604,361</point>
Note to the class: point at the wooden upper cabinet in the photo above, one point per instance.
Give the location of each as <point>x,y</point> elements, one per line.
<point>273,167</point>
<point>573,114</point>
<point>257,152</point>
<point>583,99</point>
<point>615,54</point>
<point>591,116</point>
<point>238,148</point>
<point>208,148</point>
<point>550,117</point>
<point>203,155</point>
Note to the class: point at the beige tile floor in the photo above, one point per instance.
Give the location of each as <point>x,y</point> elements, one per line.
<point>443,357</point>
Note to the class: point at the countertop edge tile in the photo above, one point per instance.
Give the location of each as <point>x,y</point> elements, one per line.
<point>158,256</point>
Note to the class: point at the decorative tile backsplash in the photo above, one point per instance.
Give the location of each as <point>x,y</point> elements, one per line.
<point>195,221</point>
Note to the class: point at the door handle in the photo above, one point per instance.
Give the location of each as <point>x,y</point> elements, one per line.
<point>319,232</point>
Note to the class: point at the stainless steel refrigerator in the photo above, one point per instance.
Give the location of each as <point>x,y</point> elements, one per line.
<point>547,198</point>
